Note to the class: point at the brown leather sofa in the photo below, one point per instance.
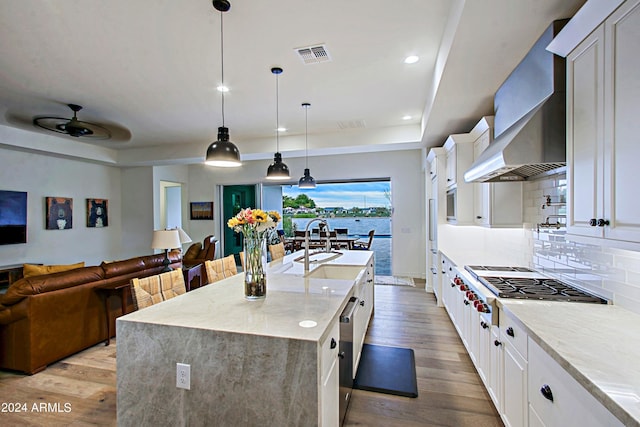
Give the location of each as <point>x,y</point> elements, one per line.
<point>46,318</point>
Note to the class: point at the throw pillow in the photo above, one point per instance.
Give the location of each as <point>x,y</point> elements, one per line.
<point>29,270</point>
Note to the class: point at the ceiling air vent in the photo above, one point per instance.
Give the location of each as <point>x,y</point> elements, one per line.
<point>313,54</point>
<point>352,124</point>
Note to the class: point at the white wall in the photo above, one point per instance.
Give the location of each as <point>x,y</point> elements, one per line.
<point>407,187</point>
<point>134,202</point>
<point>42,176</point>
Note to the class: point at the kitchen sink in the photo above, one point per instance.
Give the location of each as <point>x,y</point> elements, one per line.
<point>320,257</point>
<point>336,272</point>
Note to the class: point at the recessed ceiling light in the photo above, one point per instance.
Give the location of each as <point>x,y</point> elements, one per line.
<point>222,88</point>
<point>406,117</point>
<point>281,129</point>
<point>411,59</point>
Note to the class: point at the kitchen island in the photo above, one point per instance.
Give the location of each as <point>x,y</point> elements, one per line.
<point>266,362</point>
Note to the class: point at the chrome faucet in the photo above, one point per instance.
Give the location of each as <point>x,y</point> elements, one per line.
<point>306,240</point>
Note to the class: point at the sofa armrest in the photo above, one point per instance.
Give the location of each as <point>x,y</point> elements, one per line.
<point>13,313</point>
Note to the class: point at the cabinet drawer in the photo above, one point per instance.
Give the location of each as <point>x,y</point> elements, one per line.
<point>329,351</point>
<point>513,334</point>
<point>571,404</point>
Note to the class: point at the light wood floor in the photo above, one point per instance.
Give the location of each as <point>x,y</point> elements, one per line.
<point>450,391</point>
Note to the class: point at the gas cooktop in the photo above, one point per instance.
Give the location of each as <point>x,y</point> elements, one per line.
<point>525,283</point>
<point>498,268</point>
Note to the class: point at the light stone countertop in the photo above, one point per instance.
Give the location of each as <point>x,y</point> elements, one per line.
<point>291,299</point>
<point>597,344</point>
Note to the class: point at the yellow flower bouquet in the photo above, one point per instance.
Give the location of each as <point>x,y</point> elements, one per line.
<point>254,224</point>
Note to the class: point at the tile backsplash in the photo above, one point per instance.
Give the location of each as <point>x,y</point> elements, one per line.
<point>610,272</point>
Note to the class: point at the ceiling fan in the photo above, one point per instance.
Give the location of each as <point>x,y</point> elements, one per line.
<point>73,126</point>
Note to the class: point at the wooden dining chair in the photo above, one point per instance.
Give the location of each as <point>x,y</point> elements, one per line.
<point>298,239</point>
<point>151,290</point>
<point>276,251</point>
<point>364,245</point>
<point>221,268</point>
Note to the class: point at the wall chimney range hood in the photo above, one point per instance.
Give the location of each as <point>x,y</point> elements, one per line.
<point>530,118</point>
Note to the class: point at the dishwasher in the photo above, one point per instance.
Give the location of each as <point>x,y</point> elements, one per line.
<point>346,355</point>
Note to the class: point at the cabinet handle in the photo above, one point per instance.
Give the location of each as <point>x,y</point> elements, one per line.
<point>362,303</point>
<point>546,392</point>
<point>449,179</point>
<point>466,302</point>
<point>497,343</point>
<point>510,332</point>
<point>603,222</point>
<point>444,272</point>
<point>484,324</point>
<point>341,355</point>
<point>333,343</point>
<point>453,285</point>
<point>478,217</point>
<point>593,222</point>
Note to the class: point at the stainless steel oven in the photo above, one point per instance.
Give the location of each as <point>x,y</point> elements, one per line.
<point>451,204</point>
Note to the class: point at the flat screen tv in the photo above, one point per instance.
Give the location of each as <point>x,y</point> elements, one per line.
<point>13,217</point>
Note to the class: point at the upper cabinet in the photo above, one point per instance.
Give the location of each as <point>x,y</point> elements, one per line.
<point>459,196</point>
<point>603,129</point>
<point>495,204</point>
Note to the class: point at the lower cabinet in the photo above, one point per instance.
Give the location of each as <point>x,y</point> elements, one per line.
<point>556,399</point>
<point>363,313</point>
<point>514,413</point>
<point>330,377</point>
<point>514,345</point>
<point>494,372</point>
<point>527,387</point>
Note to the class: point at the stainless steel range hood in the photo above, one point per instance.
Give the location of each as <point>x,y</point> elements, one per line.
<point>530,119</point>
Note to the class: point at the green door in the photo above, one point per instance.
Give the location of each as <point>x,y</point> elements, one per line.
<point>235,198</point>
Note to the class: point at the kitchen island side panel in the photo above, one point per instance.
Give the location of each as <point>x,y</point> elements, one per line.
<point>236,379</point>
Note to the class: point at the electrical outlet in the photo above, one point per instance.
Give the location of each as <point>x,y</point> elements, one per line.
<point>183,376</point>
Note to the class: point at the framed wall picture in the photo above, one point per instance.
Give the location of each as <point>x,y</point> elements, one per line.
<point>202,210</point>
<point>59,213</point>
<point>97,213</point>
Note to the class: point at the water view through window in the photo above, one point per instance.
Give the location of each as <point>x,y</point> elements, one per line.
<point>357,207</point>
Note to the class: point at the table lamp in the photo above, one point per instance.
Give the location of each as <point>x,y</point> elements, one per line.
<point>165,239</point>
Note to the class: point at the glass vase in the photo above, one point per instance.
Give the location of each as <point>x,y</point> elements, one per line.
<point>255,267</point>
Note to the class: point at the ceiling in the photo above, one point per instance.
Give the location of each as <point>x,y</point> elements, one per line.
<point>148,70</point>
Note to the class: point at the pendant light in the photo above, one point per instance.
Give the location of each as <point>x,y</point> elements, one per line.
<point>222,153</point>
<point>277,170</point>
<point>307,180</point>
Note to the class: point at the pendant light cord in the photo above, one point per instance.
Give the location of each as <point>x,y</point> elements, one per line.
<point>277,117</point>
<point>222,64</point>
<point>306,133</point>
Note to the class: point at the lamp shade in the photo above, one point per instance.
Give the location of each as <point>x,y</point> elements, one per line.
<point>184,237</point>
<point>307,180</point>
<point>165,239</point>
<point>223,153</point>
<point>278,170</point>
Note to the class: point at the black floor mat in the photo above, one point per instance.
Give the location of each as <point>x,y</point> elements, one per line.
<point>389,370</point>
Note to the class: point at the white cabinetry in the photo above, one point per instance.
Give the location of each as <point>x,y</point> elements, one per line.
<point>459,149</point>
<point>495,204</point>
<point>603,129</point>
<point>436,186</point>
<point>494,374</point>
<point>329,377</point>
<point>449,290</point>
<point>556,399</point>
<point>363,313</point>
<point>514,359</point>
